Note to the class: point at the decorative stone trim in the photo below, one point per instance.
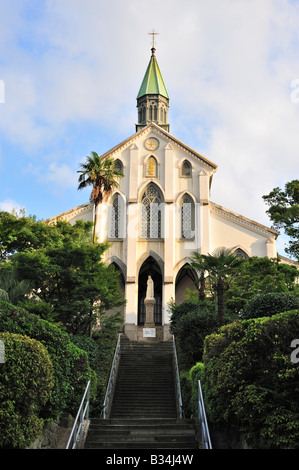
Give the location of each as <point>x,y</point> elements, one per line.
<point>243,221</point>
<point>70,214</point>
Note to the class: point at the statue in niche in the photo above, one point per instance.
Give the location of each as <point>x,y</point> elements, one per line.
<point>150,288</point>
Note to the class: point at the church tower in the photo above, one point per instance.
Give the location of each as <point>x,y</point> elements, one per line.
<point>152,99</point>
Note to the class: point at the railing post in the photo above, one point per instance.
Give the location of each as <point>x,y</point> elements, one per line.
<point>177,379</point>
<point>77,430</point>
<point>111,380</point>
<point>202,417</point>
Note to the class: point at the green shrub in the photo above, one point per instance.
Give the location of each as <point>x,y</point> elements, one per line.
<point>196,374</point>
<point>90,346</point>
<point>106,339</point>
<point>265,305</point>
<point>71,367</point>
<point>186,392</point>
<point>250,381</point>
<point>192,321</point>
<point>26,382</point>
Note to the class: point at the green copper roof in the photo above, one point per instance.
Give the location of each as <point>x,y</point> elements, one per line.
<point>153,83</point>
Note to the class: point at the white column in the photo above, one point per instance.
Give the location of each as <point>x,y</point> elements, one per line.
<point>131,252</point>
<point>168,173</point>
<point>271,250</point>
<point>203,213</point>
<point>133,182</point>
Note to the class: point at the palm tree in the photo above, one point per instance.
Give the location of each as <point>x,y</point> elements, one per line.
<point>11,289</point>
<point>219,265</point>
<point>198,264</point>
<point>102,175</point>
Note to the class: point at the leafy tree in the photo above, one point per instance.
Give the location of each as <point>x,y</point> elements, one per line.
<point>220,265</point>
<point>65,270</point>
<point>19,233</point>
<point>259,276</point>
<point>284,212</point>
<point>250,381</point>
<point>74,280</point>
<point>102,176</point>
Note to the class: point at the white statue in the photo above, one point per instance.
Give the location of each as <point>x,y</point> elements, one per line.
<point>150,288</point>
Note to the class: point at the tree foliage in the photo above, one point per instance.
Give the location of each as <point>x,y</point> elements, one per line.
<point>102,175</point>
<point>264,305</point>
<point>71,366</point>
<point>284,213</point>
<point>251,382</point>
<point>256,276</point>
<point>64,268</point>
<point>221,265</point>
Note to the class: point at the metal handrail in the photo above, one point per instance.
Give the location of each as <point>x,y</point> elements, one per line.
<point>205,434</point>
<point>76,433</point>
<point>111,381</point>
<point>177,380</point>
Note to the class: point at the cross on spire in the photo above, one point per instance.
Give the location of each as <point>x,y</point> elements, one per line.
<point>153,33</point>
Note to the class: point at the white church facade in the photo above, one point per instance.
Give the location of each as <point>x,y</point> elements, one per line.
<point>162,213</point>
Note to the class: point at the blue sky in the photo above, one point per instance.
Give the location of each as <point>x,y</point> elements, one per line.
<point>72,69</point>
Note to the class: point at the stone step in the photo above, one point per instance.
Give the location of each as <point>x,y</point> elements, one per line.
<point>144,411</point>
<point>136,422</point>
<point>141,445</point>
<point>142,434</point>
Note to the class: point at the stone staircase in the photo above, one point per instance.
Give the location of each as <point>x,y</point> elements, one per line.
<point>144,409</point>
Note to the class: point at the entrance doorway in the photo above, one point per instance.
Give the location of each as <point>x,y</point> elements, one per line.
<point>150,267</point>
<point>186,278</point>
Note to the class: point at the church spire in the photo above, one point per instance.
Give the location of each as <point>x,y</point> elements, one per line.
<point>153,99</point>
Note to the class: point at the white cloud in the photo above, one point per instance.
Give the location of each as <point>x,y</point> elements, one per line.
<point>60,176</point>
<point>11,206</point>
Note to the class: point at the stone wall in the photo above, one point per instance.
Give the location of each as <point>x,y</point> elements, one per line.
<point>55,434</point>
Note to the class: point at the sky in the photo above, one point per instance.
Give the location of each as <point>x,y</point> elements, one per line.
<point>70,71</point>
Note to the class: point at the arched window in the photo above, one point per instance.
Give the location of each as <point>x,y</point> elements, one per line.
<point>115,217</point>
<point>151,167</point>
<point>151,216</point>
<point>187,217</point>
<point>118,165</point>
<point>239,253</point>
<point>186,169</point>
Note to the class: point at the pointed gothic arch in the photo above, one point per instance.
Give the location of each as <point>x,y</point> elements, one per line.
<point>116,216</point>
<point>120,268</point>
<point>187,217</point>
<point>150,266</point>
<point>186,278</point>
<point>152,212</point>
<point>239,252</point>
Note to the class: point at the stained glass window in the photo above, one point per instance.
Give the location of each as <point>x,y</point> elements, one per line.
<point>115,217</point>
<point>239,253</point>
<point>151,213</point>
<point>187,217</point>
<point>186,169</point>
<point>118,165</point>
<point>151,167</point>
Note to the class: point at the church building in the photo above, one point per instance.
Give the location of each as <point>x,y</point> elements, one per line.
<point>162,213</point>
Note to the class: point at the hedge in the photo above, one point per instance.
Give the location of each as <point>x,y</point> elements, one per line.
<point>192,320</point>
<point>250,381</point>
<point>265,305</point>
<point>26,382</point>
<point>71,366</point>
